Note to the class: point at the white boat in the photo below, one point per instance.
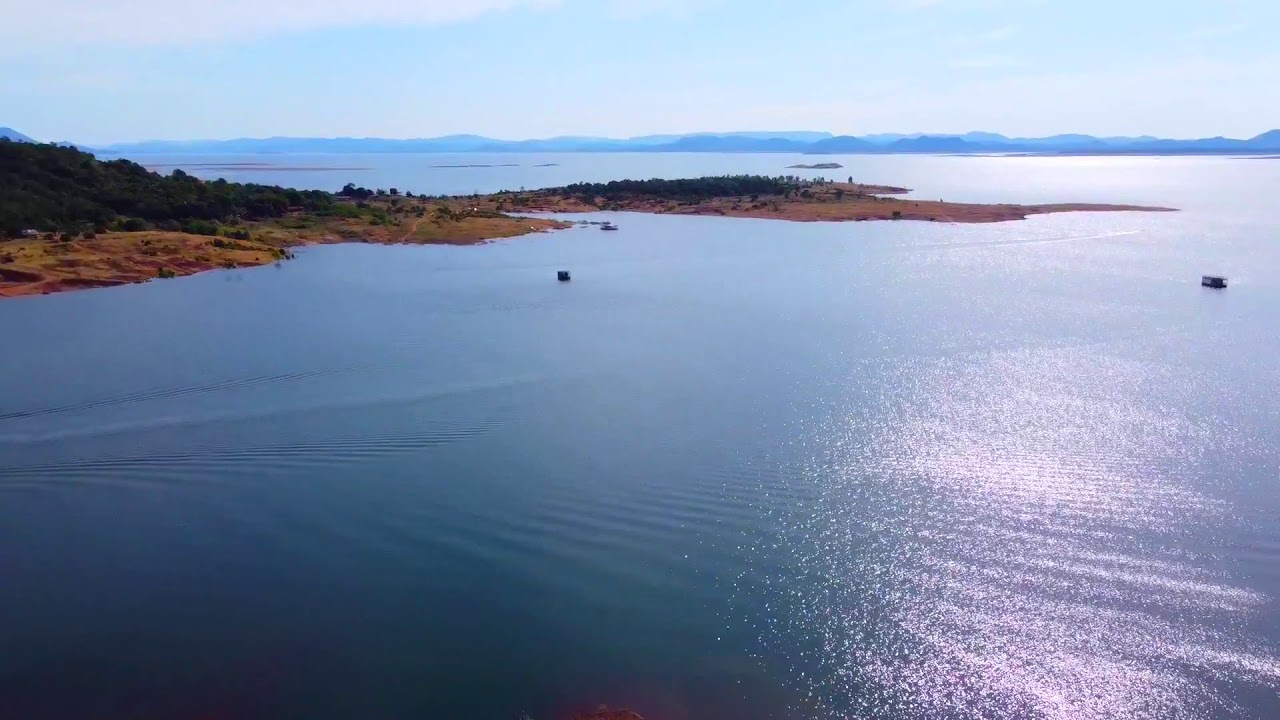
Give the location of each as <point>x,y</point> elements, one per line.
<point>608,226</point>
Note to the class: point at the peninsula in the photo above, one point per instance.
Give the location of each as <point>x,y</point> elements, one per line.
<point>69,221</point>
<point>775,198</point>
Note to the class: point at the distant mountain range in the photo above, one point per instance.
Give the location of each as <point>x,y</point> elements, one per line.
<point>737,142</point>
<point>14,135</point>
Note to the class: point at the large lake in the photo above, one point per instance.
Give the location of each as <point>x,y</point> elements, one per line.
<point>735,469</point>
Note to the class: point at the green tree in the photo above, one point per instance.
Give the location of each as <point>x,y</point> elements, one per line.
<point>48,187</point>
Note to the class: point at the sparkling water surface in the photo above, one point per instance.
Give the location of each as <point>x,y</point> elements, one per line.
<point>735,469</point>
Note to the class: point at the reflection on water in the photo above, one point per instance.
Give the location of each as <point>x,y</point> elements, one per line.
<point>1017,536</point>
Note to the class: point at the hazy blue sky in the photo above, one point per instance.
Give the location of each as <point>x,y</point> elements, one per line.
<point>96,71</point>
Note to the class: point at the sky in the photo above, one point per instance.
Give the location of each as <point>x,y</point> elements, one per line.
<point>102,71</point>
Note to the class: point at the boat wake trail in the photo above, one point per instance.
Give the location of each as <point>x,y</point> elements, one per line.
<point>177,392</point>
<point>213,461</point>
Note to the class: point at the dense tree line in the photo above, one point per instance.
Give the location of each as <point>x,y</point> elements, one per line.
<point>359,193</point>
<point>50,188</point>
<point>691,189</point>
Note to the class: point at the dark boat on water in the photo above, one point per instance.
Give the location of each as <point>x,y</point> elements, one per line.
<point>562,275</point>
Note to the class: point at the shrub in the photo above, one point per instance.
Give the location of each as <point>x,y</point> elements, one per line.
<point>347,211</point>
<point>200,227</point>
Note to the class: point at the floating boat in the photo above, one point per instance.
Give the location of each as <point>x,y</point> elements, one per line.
<point>1213,281</point>
<point>562,275</point>
<point>608,226</point>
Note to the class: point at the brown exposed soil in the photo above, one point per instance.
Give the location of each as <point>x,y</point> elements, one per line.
<point>38,266</point>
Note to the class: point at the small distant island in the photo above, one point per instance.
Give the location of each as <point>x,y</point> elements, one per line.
<point>70,221</point>
<point>254,166</point>
<point>816,166</point>
<point>477,165</point>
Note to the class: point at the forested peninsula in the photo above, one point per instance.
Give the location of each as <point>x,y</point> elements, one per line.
<point>69,220</point>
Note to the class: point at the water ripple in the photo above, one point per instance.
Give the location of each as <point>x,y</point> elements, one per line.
<point>1003,543</point>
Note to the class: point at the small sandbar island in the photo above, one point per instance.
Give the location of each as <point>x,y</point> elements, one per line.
<point>816,166</point>
<point>69,221</point>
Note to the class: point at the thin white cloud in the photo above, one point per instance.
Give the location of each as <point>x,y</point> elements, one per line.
<point>1210,31</point>
<point>960,6</point>
<point>994,36</point>
<point>634,9</point>
<point>983,62</point>
<point>1003,32</point>
<point>28,25</point>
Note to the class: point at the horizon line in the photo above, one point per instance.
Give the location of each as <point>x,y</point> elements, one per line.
<point>695,133</point>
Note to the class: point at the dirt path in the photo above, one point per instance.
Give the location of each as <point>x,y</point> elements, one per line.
<point>413,228</point>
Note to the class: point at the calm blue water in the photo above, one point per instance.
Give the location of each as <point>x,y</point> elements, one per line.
<point>735,469</point>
